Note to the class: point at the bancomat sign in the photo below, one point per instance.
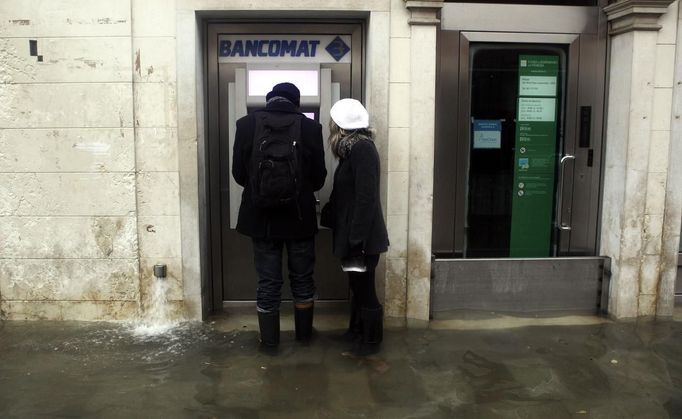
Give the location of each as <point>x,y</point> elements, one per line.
<point>299,48</point>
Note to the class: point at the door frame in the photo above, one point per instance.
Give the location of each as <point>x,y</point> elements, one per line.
<point>581,183</point>
<point>481,21</point>
<point>583,29</point>
<point>212,29</point>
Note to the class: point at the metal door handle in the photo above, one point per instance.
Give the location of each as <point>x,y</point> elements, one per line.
<point>560,196</point>
<point>566,157</point>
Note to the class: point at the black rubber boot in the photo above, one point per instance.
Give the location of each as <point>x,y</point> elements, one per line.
<point>354,325</point>
<point>303,321</point>
<point>269,328</point>
<point>354,331</point>
<point>372,320</point>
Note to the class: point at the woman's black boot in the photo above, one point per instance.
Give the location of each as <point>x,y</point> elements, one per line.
<point>303,322</point>
<point>354,331</point>
<point>354,325</point>
<point>372,320</point>
<point>269,328</point>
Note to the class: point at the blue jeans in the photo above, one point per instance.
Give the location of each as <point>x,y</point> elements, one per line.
<point>268,261</point>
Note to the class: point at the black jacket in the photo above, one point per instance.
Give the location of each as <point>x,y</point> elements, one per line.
<point>355,207</point>
<point>280,223</point>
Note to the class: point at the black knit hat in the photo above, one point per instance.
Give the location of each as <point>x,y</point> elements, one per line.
<point>286,90</point>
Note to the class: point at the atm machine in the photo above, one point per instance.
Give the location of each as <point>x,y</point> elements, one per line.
<point>245,61</point>
<point>247,94</point>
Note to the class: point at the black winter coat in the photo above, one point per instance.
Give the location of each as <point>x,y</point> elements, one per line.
<point>357,219</point>
<point>280,223</point>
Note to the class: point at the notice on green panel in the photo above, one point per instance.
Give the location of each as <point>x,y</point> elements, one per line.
<point>535,109</point>
<point>535,157</point>
<point>538,75</point>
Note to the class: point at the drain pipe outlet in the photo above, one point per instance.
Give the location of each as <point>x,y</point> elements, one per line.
<point>160,271</point>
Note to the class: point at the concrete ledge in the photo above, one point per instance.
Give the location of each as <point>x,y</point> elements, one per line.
<point>632,15</point>
<point>424,12</point>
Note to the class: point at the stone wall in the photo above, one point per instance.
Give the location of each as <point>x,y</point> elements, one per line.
<point>88,160</point>
<point>398,160</point>
<point>672,220</point>
<point>638,140</point>
<point>68,211</point>
<point>156,142</point>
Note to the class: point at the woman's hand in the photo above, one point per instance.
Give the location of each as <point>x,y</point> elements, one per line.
<point>356,250</point>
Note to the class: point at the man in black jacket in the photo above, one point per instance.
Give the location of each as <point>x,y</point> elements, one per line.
<point>292,225</point>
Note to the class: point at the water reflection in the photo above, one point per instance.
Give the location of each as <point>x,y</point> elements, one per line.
<point>105,369</point>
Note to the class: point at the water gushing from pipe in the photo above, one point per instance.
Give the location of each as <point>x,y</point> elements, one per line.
<point>157,317</point>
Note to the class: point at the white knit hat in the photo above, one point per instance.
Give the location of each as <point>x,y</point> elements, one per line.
<point>349,114</point>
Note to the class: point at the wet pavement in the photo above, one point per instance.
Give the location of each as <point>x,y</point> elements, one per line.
<point>596,370</point>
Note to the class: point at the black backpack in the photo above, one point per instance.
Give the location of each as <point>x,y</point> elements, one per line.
<point>276,173</point>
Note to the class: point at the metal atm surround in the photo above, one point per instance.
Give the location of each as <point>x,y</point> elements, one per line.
<point>215,122</point>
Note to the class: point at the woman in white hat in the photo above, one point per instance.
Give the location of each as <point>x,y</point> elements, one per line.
<point>354,214</point>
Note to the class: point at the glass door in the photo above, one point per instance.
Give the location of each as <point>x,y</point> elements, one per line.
<point>517,118</point>
<point>519,133</point>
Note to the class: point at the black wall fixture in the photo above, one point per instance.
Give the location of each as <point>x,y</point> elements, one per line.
<point>33,47</point>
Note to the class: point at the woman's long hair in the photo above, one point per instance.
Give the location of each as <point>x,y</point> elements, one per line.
<point>341,140</point>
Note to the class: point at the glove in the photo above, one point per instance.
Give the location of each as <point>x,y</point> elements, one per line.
<point>327,216</point>
<point>356,250</point>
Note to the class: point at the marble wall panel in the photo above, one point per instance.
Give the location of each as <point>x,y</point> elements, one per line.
<point>67,150</point>
<point>72,60</point>
<point>80,194</point>
<point>66,105</point>
<point>68,237</point>
<point>45,18</point>
<point>69,279</point>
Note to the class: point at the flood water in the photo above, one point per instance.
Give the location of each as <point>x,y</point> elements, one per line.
<point>61,369</point>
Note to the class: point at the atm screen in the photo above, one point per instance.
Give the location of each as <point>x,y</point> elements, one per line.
<point>260,82</point>
<point>309,114</point>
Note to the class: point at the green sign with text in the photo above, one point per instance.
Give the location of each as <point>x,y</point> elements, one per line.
<point>535,156</point>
